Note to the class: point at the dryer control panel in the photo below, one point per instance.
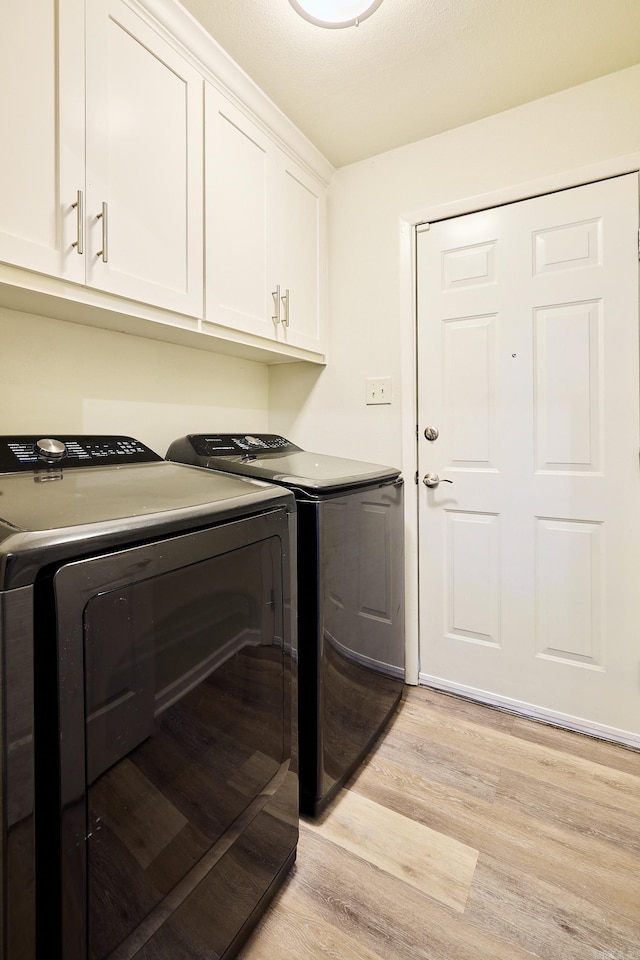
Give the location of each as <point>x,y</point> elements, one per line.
<point>29,452</point>
<point>240,445</point>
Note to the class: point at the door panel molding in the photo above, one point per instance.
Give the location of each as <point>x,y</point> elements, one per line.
<point>565,376</point>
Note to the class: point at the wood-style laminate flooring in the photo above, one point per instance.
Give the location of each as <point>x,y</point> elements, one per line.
<point>468,834</point>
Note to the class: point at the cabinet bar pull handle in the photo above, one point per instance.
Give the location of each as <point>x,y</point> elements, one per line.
<point>79,208</point>
<point>276,304</point>
<point>285,300</point>
<point>104,253</point>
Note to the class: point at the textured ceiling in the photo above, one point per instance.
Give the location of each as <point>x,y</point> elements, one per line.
<point>418,67</point>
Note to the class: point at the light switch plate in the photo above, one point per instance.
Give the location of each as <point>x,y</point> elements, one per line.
<point>378,390</point>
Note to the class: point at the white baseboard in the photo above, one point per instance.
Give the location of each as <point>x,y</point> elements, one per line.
<point>532,712</point>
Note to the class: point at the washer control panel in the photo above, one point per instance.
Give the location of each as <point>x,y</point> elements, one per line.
<point>240,445</point>
<point>24,452</point>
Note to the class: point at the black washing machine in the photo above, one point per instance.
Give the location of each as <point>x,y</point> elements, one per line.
<point>350,594</point>
<point>149,790</point>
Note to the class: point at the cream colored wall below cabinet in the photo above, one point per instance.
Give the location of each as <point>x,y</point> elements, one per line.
<point>64,377</point>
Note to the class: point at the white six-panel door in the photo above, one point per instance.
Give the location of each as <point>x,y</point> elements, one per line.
<point>528,368</point>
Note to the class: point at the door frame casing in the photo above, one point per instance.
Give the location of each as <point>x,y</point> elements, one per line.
<point>408,224</point>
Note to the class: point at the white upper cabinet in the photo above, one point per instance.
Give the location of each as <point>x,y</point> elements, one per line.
<point>297,254</point>
<point>42,123</point>
<point>144,163</point>
<point>116,205</point>
<point>114,175</point>
<point>264,217</point>
<point>238,212</point>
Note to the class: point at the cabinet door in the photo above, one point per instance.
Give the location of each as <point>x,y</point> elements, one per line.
<point>238,212</point>
<point>144,163</point>
<point>42,123</point>
<point>298,251</point>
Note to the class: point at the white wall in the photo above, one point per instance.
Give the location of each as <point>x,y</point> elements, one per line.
<point>370,278</point>
<point>326,410</point>
<point>61,377</point>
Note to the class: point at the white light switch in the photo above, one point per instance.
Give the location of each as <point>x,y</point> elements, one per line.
<point>378,389</point>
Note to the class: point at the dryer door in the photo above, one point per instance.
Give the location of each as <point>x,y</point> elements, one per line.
<point>174,662</point>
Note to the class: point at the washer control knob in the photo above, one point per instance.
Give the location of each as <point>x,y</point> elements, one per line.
<point>253,441</point>
<point>50,450</point>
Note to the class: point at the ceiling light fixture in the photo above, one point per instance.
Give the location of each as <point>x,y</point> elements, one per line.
<point>335,13</point>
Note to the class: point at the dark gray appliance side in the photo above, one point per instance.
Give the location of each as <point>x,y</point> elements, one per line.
<point>351,631</point>
<point>17,836</point>
<point>274,459</point>
<point>351,624</point>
